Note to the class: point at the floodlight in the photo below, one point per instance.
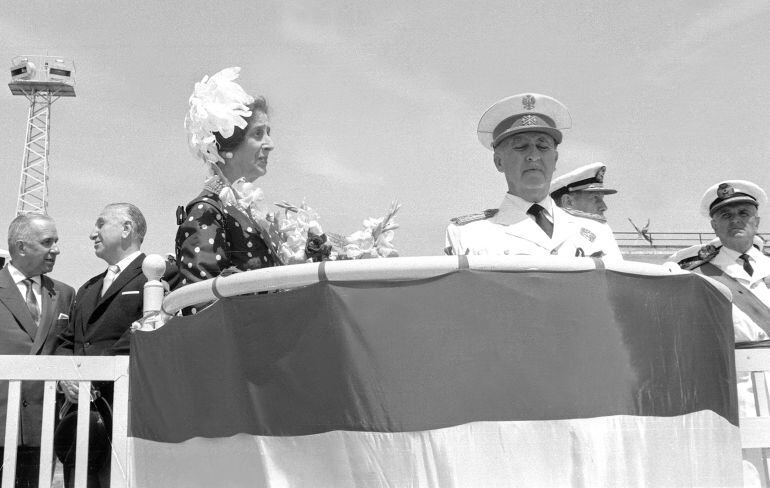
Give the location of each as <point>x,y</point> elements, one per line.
<point>23,70</point>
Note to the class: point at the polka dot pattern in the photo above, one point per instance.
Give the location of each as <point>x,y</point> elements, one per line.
<point>215,237</point>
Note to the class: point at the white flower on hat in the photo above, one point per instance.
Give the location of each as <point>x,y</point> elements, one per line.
<point>217,104</point>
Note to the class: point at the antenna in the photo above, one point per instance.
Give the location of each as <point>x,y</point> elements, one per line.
<point>42,80</point>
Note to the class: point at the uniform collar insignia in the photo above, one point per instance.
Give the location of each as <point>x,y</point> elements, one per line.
<point>585,215</point>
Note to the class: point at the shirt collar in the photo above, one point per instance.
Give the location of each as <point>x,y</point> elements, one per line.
<point>18,276</point>
<point>514,209</point>
<point>123,263</point>
<point>753,253</point>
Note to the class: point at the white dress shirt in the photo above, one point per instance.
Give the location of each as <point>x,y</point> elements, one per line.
<point>122,264</point>
<point>18,278</point>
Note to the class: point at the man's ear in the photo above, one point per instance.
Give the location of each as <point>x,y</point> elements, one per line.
<point>498,162</point>
<point>21,247</point>
<point>557,156</point>
<point>128,227</point>
<point>713,226</point>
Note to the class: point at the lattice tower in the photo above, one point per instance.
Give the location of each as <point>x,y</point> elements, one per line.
<point>41,91</point>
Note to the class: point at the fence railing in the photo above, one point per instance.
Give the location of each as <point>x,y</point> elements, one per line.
<point>84,370</point>
<point>755,429</point>
<point>667,239</point>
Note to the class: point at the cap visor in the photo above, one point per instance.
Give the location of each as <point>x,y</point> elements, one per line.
<point>732,201</point>
<point>555,133</point>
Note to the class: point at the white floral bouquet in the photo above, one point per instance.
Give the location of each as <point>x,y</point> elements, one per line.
<point>303,239</point>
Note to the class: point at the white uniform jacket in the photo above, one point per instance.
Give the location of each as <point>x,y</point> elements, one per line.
<point>727,261</point>
<point>746,330</point>
<point>512,231</point>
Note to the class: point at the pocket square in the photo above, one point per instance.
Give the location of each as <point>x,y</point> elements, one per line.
<point>63,316</point>
<point>135,292</point>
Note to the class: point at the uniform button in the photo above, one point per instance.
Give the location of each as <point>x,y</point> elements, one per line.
<point>87,344</point>
<point>25,403</point>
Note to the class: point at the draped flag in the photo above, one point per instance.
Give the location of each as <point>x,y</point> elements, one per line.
<point>471,379</point>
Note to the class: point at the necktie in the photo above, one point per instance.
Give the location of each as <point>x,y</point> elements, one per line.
<point>539,213</point>
<point>109,277</point>
<point>31,300</point>
<point>746,264</point>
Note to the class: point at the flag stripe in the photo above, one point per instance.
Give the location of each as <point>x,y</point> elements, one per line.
<point>699,449</point>
<point>429,354</point>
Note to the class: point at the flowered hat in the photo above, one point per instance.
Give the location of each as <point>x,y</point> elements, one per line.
<point>217,104</point>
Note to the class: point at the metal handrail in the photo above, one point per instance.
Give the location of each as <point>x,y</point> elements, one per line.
<point>668,239</point>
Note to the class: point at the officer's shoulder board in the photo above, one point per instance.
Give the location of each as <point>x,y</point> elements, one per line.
<point>467,219</point>
<point>696,256</point>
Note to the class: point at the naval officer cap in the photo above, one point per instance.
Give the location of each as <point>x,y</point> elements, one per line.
<point>585,178</point>
<point>729,192</point>
<point>526,112</point>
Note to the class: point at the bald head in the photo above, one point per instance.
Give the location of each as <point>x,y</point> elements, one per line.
<point>33,243</point>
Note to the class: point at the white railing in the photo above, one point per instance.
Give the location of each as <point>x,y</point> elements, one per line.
<point>391,269</point>
<point>755,431</point>
<point>50,369</point>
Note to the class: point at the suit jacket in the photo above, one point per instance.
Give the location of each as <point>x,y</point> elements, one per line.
<point>509,232</point>
<point>101,326</point>
<point>18,335</point>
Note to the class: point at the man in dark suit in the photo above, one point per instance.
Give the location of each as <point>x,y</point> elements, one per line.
<point>107,304</point>
<point>33,311</point>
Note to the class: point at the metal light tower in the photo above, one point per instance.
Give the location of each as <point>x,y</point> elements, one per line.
<point>43,80</point>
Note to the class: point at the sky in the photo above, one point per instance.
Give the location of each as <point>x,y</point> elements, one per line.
<point>379,101</point>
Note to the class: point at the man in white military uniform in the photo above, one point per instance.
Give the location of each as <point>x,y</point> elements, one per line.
<point>734,259</point>
<point>524,131</point>
<point>581,192</point>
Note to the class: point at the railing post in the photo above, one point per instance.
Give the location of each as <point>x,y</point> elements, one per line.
<point>83,436</point>
<point>46,434</point>
<point>11,433</point>
<point>153,267</point>
<point>119,470</point>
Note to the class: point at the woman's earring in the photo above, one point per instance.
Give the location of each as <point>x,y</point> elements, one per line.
<point>228,155</point>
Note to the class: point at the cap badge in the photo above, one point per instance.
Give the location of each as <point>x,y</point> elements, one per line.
<point>600,174</point>
<point>528,102</point>
<point>725,191</point>
<point>529,120</point>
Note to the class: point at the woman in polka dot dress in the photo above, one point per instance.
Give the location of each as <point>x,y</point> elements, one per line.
<point>219,231</point>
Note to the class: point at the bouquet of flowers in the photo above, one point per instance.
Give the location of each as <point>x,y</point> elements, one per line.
<point>303,239</point>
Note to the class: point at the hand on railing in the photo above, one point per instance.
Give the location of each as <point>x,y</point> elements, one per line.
<point>151,320</point>
<point>70,390</point>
